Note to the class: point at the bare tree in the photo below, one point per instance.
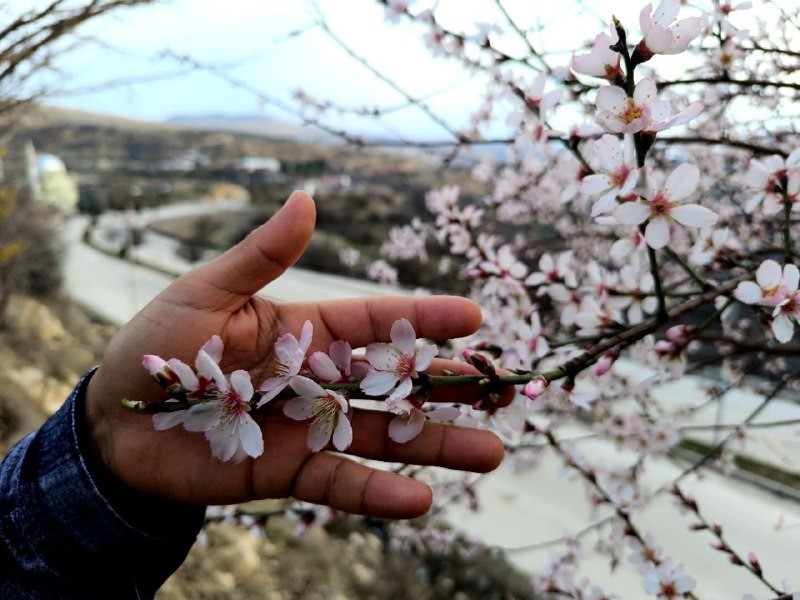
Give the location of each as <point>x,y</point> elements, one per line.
<point>29,43</point>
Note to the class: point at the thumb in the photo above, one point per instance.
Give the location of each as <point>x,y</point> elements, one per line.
<point>260,258</point>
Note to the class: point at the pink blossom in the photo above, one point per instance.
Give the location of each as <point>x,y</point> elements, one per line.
<point>409,420</point>
<point>664,206</point>
<point>667,581</point>
<point>618,173</point>
<point>771,286</point>
<point>535,387</point>
<point>646,554</point>
<point>505,270</point>
<point>290,354</point>
<point>223,415</point>
<point>774,182</point>
<point>601,61</point>
<point>326,408</point>
<point>553,270</point>
<point>396,364</point>
<point>334,366</point>
<point>662,34</point>
<point>531,338</point>
<point>619,113</point>
<point>662,117</point>
<point>593,317</point>
<point>638,283</point>
<point>382,271</point>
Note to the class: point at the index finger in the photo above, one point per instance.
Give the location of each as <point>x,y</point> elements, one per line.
<point>362,321</point>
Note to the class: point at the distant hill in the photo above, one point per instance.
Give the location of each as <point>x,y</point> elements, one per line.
<point>253,125</point>
<point>47,115</point>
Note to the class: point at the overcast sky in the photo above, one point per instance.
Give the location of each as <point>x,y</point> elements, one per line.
<point>275,47</point>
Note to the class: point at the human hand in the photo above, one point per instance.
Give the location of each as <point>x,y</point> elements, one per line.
<point>218,298</point>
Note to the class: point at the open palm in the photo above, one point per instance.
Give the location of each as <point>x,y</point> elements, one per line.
<point>218,298</point>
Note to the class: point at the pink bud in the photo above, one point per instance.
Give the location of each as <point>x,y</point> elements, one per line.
<point>535,387</point>
<point>679,334</point>
<point>160,370</point>
<point>155,365</point>
<point>605,363</point>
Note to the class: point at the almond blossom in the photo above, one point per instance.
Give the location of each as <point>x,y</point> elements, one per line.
<point>333,367</point>
<point>619,113</point>
<point>670,351</point>
<point>667,581</point>
<point>223,415</point>
<point>618,174</point>
<point>778,290</point>
<point>601,61</point>
<point>551,271</point>
<point>664,206</point>
<point>770,287</point>
<point>774,181</point>
<point>397,364</point>
<point>290,354</point>
<point>641,285</point>
<point>326,408</point>
<point>662,34</point>
<point>531,340</point>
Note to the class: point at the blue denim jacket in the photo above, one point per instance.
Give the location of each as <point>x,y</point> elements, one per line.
<point>69,530</point>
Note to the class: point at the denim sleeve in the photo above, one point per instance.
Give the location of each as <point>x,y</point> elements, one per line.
<point>69,530</point>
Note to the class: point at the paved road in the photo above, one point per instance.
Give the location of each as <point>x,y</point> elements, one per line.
<point>524,509</point>
<point>116,289</point>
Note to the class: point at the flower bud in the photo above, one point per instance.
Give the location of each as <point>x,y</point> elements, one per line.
<point>535,387</point>
<point>160,371</point>
<point>605,363</point>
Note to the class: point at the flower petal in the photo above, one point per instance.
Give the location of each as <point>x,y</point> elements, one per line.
<point>402,390</point>
<point>305,336</point>
<point>632,213</point>
<point>154,364</point>
<point>656,234</point>
<point>425,355</point>
<point>308,388</point>
<point>185,373</point>
<point>377,383</point>
<point>768,274</point>
<point>612,99</point>
<point>242,385</point>
<point>342,434</point>
<point>694,215</point>
<point>250,435</point>
<point>166,420</point>
<point>214,348</point>
<point>319,434</point>
<point>403,336</point>
<point>748,292</point>
<point>202,417</point>
<point>342,354</point>
<point>596,183</point>
<point>225,444</point>
<point>783,328</point>
<point>299,409</point>
<point>382,356</point>
<point>645,91</point>
<point>405,428</point>
<point>208,367</point>
<point>323,367</point>
<point>791,278</point>
<point>682,181</point>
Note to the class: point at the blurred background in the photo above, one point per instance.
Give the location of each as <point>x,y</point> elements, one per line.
<point>140,138</point>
